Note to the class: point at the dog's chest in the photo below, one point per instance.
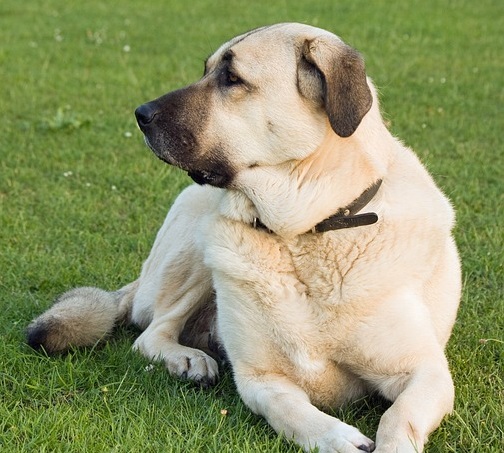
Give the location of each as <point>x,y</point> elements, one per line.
<point>289,303</point>
<point>332,266</point>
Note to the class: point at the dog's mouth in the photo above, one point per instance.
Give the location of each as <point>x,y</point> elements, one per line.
<point>203,177</point>
<point>199,176</point>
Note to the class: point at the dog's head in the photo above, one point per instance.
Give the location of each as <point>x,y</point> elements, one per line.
<point>265,98</point>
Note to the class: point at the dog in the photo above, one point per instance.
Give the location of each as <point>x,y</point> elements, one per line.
<point>315,251</point>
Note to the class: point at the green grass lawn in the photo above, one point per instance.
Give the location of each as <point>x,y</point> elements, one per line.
<point>81,199</point>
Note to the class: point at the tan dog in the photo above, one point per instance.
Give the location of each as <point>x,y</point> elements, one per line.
<point>324,242</point>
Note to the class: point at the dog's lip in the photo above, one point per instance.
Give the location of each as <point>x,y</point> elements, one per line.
<point>212,178</point>
<point>165,157</point>
<point>146,141</point>
<point>199,175</point>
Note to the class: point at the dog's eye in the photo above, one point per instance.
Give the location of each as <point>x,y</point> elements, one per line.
<point>231,79</point>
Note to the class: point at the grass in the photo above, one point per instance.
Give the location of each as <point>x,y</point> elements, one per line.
<point>81,199</point>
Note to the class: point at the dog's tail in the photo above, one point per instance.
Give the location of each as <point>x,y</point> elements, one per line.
<point>81,317</point>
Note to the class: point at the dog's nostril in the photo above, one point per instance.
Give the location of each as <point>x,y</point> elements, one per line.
<point>145,114</point>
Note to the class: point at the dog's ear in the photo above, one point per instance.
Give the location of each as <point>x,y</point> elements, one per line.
<point>332,73</point>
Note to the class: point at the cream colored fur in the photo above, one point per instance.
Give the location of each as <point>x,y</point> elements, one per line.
<point>308,321</point>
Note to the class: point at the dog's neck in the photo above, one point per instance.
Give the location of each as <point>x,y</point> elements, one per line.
<point>347,217</point>
<point>292,198</point>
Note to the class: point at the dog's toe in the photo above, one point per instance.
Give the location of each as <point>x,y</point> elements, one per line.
<point>194,365</point>
<point>206,382</point>
<point>199,367</point>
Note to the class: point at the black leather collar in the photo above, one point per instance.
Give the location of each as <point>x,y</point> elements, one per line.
<point>346,217</point>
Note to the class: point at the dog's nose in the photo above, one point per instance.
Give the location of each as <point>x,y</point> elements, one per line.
<point>145,114</point>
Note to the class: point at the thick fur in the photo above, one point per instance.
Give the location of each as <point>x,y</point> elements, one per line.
<point>286,126</point>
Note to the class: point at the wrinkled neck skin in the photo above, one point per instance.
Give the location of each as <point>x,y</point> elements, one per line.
<point>291,198</point>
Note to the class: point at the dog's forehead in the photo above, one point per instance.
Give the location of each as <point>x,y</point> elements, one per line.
<point>268,40</point>
<point>254,41</point>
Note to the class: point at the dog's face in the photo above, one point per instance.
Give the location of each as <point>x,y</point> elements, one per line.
<point>266,97</point>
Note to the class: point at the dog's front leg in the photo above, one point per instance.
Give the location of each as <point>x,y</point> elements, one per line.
<point>175,285</point>
<point>289,411</point>
<point>418,409</point>
<point>267,324</point>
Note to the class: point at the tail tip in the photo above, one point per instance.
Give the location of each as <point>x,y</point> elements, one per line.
<point>36,336</point>
<point>40,335</point>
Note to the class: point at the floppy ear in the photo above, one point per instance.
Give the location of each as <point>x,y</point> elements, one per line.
<point>333,73</point>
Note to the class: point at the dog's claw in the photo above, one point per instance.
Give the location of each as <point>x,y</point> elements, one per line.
<point>206,382</point>
<point>369,448</point>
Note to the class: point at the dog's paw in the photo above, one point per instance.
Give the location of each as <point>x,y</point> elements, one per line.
<point>345,439</point>
<point>370,446</point>
<point>181,361</point>
<point>193,364</point>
